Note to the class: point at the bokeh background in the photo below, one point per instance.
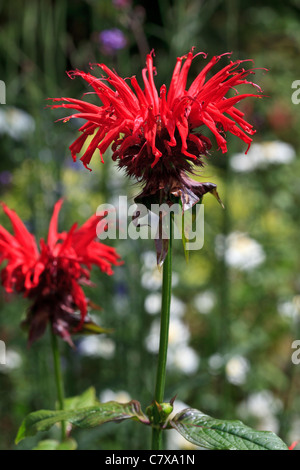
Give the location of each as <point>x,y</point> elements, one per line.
<point>236,303</point>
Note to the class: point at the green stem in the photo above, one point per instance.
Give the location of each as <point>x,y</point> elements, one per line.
<point>58,379</point>
<point>164,339</point>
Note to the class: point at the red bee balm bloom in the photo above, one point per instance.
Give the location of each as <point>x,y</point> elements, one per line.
<point>153,135</point>
<point>51,276</point>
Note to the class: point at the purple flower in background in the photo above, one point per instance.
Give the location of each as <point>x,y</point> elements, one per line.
<point>5,177</point>
<point>121,3</point>
<point>112,40</point>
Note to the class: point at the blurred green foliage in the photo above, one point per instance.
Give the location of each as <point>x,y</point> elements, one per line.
<point>242,337</point>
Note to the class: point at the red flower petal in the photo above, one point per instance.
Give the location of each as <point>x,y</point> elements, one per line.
<point>155,125</point>
<point>52,232</point>
<point>22,236</point>
<point>52,278</point>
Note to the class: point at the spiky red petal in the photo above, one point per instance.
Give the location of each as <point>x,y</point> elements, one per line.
<point>52,276</point>
<point>153,125</point>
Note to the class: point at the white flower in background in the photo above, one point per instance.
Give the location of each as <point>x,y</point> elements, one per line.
<point>240,251</point>
<point>177,307</point>
<point>215,362</point>
<point>15,122</point>
<point>183,358</point>
<point>97,346</point>
<point>152,340</point>
<point>120,396</point>
<point>13,360</point>
<point>262,155</point>
<point>263,406</point>
<point>262,403</point>
<point>152,280</point>
<point>205,302</point>
<point>178,334</point>
<point>278,153</point>
<point>175,279</point>
<point>149,259</point>
<point>237,368</point>
<point>180,355</point>
<point>153,305</point>
<point>290,308</point>
<point>151,275</point>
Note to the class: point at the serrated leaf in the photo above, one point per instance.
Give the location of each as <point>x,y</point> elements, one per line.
<point>52,444</point>
<point>87,417</point>
<point>210,433</point>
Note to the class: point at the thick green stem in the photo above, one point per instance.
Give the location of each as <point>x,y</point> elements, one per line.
<point>164,338</point>
<point>58,379</point>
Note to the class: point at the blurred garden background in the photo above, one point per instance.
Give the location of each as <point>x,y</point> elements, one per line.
<point>236,303</point>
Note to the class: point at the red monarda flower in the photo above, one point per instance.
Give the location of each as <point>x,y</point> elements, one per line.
<point>51,275</point>
<point>156,135</point>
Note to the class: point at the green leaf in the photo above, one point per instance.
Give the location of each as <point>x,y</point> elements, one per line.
<point>215,193</point>
<point>91,328</point>
<point>215,434</point>
<point>52,444</point>
<point>84,418</point>
<point>87,398</point>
